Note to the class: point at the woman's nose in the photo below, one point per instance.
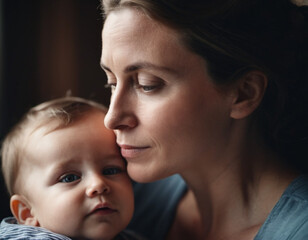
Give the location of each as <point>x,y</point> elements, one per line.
<point>97,186</point>
<point>121,114</point>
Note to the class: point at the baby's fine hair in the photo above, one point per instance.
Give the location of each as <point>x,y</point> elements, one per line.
<point>64,111</point>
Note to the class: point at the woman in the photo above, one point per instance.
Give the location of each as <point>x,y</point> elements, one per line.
<point>213,91</point>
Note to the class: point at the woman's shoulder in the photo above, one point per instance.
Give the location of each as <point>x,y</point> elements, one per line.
<point>289,217</point>
<point>298,189</point>
<point>155,206</point>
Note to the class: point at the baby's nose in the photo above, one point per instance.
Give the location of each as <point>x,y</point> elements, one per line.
<point>97,186</point>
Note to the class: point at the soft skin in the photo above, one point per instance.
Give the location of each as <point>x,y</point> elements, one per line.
<point>67,173</point>
<point>170,117</point>
<point>164,101</point>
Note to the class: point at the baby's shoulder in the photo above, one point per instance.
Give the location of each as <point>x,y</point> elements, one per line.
<point>10,229</point>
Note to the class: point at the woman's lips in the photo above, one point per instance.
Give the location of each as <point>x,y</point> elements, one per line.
<point>128,151</point>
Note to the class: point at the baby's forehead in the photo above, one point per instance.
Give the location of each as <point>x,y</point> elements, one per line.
<point>39,131</point>
<point>47,124</point>
<point>57,140</point>
<point>35,133</point>
<point>44,127</point>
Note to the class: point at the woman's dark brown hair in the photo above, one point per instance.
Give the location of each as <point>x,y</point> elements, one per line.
<point>236,36</point>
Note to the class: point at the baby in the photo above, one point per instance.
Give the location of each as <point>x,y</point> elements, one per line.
<point>65,175</point>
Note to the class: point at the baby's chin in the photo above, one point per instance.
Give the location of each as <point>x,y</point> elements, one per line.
<point>101,228</point>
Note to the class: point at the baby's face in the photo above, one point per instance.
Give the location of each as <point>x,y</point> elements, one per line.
<point>76,181</point>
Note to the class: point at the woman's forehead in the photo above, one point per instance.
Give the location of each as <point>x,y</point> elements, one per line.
<point>130,36</point>
<point>133,22</point>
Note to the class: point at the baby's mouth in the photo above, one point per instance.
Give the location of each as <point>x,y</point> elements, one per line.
<point>103,211</point>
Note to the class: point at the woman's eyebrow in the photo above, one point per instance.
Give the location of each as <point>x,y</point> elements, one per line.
<point>147,65</point>
<point>105,67</point>
<point>142,65</point>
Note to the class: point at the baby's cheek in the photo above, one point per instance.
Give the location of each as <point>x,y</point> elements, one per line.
<point>63,216</point>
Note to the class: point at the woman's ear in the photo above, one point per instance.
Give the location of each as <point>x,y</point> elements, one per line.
<point>249,92</point>
<point>22,211</point>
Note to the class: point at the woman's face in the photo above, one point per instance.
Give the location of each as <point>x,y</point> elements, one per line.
<point>166,112</point>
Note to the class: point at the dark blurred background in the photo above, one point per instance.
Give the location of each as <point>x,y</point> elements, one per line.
<point>47,47</point>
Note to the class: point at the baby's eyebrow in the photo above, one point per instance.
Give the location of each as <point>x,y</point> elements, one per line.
<point>66,164</point>
<point>113,157</point>
<point>73,163</point>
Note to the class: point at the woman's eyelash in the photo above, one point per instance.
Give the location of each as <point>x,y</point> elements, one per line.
<point>147,88</point>
<point>109,85</point>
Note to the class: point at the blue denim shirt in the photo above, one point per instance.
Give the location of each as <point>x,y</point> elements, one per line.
<point>289,218</point>
<point>156,205</point>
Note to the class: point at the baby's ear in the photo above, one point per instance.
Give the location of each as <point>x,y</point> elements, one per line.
<point>21,210</point>
<point>249,93</point>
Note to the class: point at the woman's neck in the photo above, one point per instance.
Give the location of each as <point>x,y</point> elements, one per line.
<point>235,198</point>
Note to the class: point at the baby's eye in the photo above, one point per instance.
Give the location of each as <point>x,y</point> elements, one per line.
<point>69,178</point>
<point>112,171</point>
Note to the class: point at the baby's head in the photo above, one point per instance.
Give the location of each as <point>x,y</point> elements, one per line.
<point>65,173</point>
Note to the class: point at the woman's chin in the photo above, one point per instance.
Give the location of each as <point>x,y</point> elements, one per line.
<point>143,174</point>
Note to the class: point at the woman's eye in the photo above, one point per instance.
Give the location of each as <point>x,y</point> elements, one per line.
<point>69,178</point>
<point>112,171</point>
<point>147,88</point>
<point>147,82</point>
